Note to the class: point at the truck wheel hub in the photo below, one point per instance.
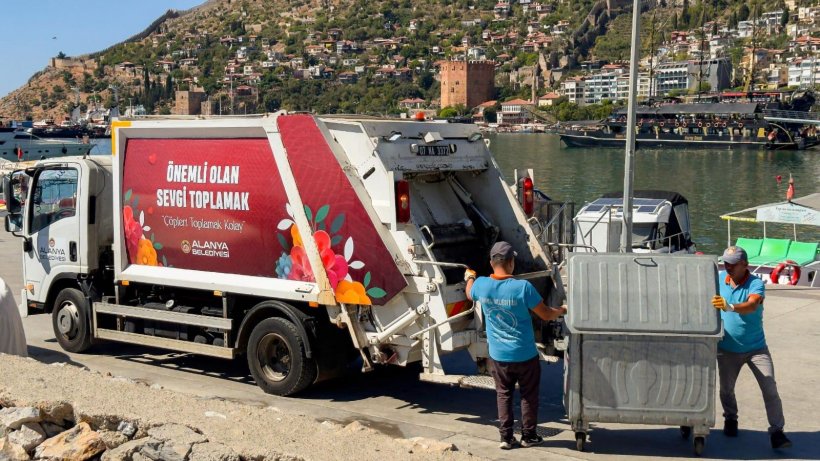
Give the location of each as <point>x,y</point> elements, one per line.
<point>68,317</point>
<point>274,357</point>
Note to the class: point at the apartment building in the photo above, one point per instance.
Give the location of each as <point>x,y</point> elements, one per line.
<point>573,89</point>
<point>804,72</point>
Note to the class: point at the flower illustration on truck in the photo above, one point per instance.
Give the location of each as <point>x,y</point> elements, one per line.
<point>293,263</point>
<point>140,250</point>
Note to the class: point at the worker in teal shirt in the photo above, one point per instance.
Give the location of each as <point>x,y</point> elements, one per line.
<point>744,343</point>
<point>506,304</point>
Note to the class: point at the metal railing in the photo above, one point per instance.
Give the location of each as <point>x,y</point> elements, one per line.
<point>791,115</point>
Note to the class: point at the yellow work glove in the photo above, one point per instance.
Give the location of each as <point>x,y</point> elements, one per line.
<point>469,274</point>
<point>720,303</point>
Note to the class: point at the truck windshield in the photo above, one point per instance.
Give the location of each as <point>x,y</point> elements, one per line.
<point>54,197</point>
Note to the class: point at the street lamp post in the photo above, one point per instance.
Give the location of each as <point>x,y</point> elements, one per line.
<point>629,169</point>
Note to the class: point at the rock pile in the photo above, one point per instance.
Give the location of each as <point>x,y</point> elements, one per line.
<point>53,431</point>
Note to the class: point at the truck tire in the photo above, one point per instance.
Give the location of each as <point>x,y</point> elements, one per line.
<point>277,359</point>
<point>70,320</point>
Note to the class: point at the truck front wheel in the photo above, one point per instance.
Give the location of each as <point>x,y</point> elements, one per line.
<point>277,359</point>
<point>70,320</point>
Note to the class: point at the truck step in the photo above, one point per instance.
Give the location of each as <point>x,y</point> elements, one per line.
<point>466,381</point>
<point>165,343</point>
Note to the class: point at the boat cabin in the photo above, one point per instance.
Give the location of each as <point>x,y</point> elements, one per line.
<point>660,223</point>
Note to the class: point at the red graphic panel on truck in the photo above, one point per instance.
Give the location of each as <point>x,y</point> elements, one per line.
<point>205,204</point>
<point>359,266</point>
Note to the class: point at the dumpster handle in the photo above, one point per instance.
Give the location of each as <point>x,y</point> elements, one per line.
<point>649,259</point>
<point>432,237</point>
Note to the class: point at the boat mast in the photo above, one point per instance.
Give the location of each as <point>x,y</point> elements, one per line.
<point>629,169</point>
<point>702,40</point>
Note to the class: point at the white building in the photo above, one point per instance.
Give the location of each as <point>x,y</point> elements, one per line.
<point>802,70</point>
<point>573,89</point>
<point>643,87</point>
<point>600,86</point>
<point>515,112</point>
<point>745,29</point>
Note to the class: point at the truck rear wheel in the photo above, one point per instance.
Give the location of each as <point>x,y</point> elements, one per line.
<point>277,359</point>
<point>70,320</point>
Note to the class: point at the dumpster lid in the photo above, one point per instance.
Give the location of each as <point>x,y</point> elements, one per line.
<point>647,293</point>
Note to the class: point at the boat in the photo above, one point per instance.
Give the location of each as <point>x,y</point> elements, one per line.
<point>660,223</point>
<point>786,261</point>
<point>716,125</point>
<point>21,145</point>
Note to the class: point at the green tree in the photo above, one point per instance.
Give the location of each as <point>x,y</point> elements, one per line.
<point>448,112</point>
<point>743,12</point>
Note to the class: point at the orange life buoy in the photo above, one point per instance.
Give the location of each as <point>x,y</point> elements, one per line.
<point>723,125</point>
<point>684,124</point>
<point>793,267</point>
<point>661,124</point>
<point>708,124</point>
<point>677,124</point>
<point>740,124</point>
<point>700,124</point>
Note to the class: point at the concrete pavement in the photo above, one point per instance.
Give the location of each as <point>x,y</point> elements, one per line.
<point>394,401</point>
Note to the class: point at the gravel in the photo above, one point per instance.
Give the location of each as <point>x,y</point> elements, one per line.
<point>109,403</point>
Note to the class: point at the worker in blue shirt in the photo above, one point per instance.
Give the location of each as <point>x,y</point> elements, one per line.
<point>506,304</point>
<point>744,343</point>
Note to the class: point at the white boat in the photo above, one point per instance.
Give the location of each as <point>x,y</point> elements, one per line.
<point>785,261</point>
<point>20,145</point>
<point>661,223</point>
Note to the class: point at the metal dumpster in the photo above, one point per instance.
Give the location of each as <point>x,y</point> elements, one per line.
<point>643,342</point>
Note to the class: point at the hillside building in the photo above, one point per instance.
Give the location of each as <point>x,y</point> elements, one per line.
<point>189,102</point>
<point>467,82</point>
<point>685,75</point>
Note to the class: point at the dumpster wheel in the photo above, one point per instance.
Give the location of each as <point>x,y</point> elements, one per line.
<point>699,443</point>
<point>580,440</point>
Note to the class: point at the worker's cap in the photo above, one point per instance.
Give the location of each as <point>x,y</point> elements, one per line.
<point>502,250</point>
<point>734,255</point>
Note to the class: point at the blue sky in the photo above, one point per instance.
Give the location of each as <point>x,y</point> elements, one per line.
<point>32,32</point>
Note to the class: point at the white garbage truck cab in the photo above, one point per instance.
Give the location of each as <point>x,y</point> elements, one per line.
<point>298,241</point>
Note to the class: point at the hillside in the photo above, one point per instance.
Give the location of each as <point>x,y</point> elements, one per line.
<point>345,56</point>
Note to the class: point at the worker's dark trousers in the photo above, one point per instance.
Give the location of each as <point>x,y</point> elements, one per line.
<point>528,376</point>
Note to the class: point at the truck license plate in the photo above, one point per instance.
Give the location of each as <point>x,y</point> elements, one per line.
<point>433,151</point>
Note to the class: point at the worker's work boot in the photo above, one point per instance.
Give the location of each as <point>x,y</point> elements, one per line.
<point>730,428</point>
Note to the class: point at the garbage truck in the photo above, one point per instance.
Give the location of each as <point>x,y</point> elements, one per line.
<point>297,241</point>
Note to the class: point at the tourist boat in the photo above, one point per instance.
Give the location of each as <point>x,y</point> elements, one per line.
<point>660,223</point>
<point>736,125</point>
<point>788,261</point>
<point>21,145</point>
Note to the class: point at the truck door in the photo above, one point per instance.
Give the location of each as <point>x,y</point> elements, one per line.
<point>53,225</point>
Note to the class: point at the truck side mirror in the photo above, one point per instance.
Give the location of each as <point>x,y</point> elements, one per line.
<point>12,190</point>
<point>14,223</point>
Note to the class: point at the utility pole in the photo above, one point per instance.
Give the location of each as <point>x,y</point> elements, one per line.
<point>629,169</point>
<point>702,40</point>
